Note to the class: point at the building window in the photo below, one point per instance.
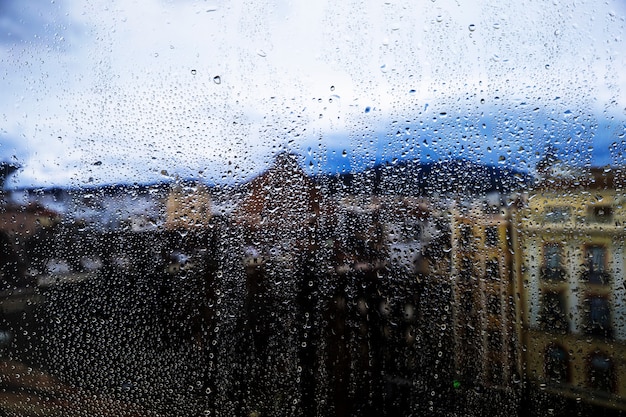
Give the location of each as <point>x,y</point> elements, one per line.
<point>598,321</point>
<point>466,270</point>
<point>557,214</point>
<point>494,305</point>
<point>466,237</point>
<point>491,236</point>
<point>552,263</point>
<point>601,373</point>
<point>557,364</point>
<point>595,262</point>
<point>600,214</point>
<point>492,270</point>
<point>553,312</point>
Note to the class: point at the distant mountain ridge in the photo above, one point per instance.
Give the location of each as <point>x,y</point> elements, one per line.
<point>402,178</point>
<point>414,178</point>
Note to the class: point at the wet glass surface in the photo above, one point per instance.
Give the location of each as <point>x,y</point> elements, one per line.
<point>271,208</point>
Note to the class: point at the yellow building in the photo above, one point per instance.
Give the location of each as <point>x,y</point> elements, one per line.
<point>569,269</point>
<point>483,297</point>
<point>188,206</point>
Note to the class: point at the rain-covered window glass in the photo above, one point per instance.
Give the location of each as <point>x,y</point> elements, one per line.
<point>491,235</point>
<point>552,268</point>
<point>599,316</point>
<point>312,208</point>
<point>601,214</point>
<point>553,312</point>
<point>492,270</point>
<point>557,214</point>
<point>601,373</point>
<point>557,364</point>
<point>595,271</point>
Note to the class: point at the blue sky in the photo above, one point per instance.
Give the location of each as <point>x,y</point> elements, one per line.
<point>100,92</point>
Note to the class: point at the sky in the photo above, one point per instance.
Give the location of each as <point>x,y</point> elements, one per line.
<point>97,92</point>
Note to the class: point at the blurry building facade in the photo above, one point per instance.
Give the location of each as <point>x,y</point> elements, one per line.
<point>569,259</point>
<point>188,206</point>
<point>483,302</point>
<point>303,296</point>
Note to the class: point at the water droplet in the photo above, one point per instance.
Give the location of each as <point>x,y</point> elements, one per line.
<point>344,153</point>
<point>217,79</point>
<point>368,109</point>
<point>439,18</point>
<point>332,88</point>
<point>472,28</point>
<point>193,72</point>
<point>496,25</point>
<point>261,53</point>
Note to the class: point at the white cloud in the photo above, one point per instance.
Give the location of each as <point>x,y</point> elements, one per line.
<point>132,84</point>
